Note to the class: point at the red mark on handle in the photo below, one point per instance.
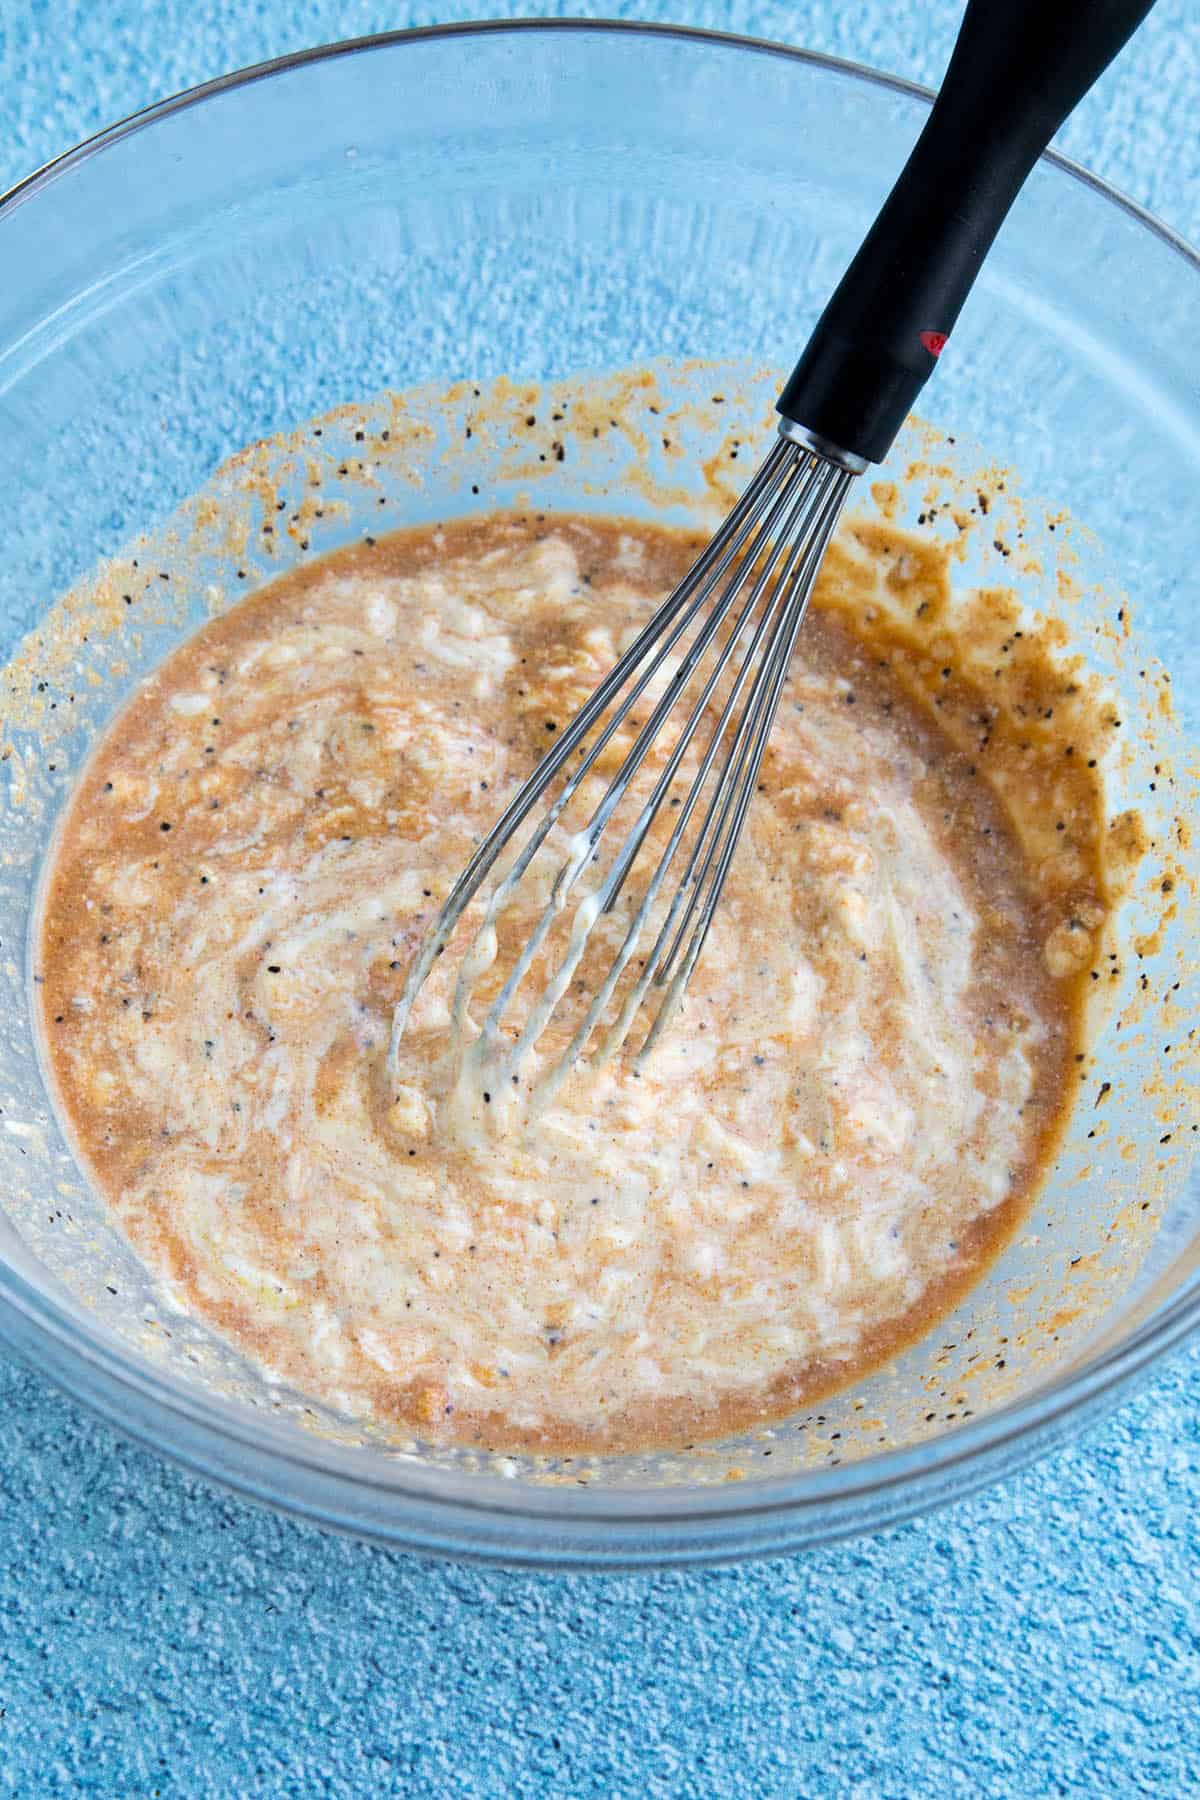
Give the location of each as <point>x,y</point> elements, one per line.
<point>934,341</point>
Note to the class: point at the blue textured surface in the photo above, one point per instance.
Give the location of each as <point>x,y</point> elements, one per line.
<point>158,1638</point>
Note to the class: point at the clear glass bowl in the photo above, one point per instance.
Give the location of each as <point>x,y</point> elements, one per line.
<point>536,200</point>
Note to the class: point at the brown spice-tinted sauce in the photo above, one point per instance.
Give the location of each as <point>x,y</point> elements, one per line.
<point>1009,793</point>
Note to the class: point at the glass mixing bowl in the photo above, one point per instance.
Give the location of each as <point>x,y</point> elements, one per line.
<point>535,200</point>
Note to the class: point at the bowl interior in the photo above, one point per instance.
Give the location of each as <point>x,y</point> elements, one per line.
<point>461,207</point>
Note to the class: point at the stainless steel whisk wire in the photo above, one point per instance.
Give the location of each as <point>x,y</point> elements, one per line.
<point>1016,72</point>
<point>771,545</point>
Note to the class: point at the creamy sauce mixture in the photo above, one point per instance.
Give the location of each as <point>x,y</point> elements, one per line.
<point>839,1132</point>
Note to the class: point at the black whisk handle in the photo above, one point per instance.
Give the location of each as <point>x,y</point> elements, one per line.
<point>1018,68</point>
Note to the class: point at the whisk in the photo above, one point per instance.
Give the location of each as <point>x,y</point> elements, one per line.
<point>713,660</point>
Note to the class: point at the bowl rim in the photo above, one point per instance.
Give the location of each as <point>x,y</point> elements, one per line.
<point>132,1385</point>
<point>125,127</point>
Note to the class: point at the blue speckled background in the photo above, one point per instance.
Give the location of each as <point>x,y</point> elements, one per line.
<point>157,1638</point>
